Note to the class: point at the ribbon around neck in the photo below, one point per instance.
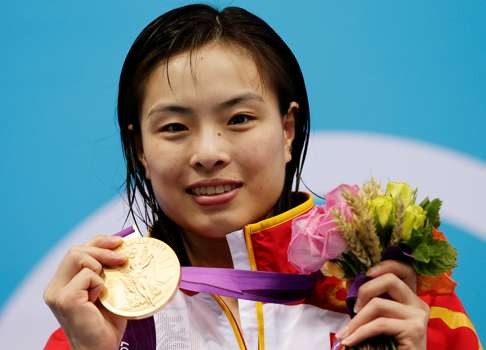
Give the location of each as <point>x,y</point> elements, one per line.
<point>269,287</point>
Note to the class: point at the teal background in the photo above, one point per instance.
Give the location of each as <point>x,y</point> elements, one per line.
<point>407,68</point>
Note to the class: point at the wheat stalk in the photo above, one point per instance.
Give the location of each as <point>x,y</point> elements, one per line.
<point>365,226</point>
<point>352,241</point>
<point>371,189</point>
<point>397,227</point>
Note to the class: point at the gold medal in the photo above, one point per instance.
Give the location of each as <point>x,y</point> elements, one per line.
<point>145,283</point>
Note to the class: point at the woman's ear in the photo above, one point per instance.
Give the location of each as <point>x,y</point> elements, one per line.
<point>288,125</point>
<point>141,155</point>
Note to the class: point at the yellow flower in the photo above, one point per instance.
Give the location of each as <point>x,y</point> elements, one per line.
<point>414,218</point>
<point>401,191</point>
<point>382,208</point>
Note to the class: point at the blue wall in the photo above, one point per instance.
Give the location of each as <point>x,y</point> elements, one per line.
<point>412,68</point>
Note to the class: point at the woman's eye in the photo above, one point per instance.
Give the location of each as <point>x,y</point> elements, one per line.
<point>174,127</point>
<point>240,119</point>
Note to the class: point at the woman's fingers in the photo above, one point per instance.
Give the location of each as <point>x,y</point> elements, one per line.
<point>403,271</point>
<point>404,317</point>
<point>408,333</point>
<point>88,256</point>
<point>91,256</point>
<point>84,286</point>
<point>104,241</point>
<point>73,294</point>
<point>88,282</point>
<point>385,284</point>
<point>381,308</point>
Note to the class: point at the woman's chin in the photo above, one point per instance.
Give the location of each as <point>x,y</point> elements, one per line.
<point>214,231</point>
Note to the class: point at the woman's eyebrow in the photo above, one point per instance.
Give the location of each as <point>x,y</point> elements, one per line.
<point>249,96</point>
<point>171,109</point>
<point>178,109</point>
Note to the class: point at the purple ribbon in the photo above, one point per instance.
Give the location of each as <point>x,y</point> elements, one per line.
<point>400,253</point>
<point>125,232</point>
<point>358,281</point>
<point>269,287</point>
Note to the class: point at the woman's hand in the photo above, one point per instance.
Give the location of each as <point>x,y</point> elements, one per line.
<point>74,289</point>
<point>404,317</point>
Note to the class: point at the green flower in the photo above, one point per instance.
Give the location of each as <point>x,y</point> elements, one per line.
<point>414,218</point>
<point>401,191</point>
<point>382,208</point>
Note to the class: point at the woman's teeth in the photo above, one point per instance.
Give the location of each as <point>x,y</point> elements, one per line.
<point>212,190</point>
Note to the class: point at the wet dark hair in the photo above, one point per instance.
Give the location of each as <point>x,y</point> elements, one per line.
<point>186,29</point>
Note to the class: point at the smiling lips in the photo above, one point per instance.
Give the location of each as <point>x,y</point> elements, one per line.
<point>214,192</point>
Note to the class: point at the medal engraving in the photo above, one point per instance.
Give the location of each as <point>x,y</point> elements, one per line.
<point>143,285</point>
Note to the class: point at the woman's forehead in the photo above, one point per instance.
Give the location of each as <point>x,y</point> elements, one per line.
<point>226,63</point>
<point>212,71</point>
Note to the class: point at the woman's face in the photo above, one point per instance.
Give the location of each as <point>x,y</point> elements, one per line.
<point>214,143</point>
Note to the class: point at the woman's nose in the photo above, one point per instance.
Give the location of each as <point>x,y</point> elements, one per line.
<point>210,152</point>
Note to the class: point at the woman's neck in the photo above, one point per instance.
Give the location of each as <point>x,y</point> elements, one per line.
<point>208,252</point>
<point>211,252</point>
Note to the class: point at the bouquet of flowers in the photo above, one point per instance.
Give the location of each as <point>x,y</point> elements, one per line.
<point>358,227</point>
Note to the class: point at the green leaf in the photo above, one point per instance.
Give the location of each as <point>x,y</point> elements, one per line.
<point>432,208</point>
<point>350,265</point>
<point>422,252</point>
<point>419,236</point>
<point>442,258</point>
<point>424,202</point>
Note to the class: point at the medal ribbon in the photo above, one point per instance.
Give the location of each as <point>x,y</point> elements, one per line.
<point>269,287</point>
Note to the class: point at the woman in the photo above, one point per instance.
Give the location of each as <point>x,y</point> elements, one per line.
<point>214,121</point>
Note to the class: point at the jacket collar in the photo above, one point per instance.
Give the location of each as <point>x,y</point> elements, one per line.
<point>304,203</point>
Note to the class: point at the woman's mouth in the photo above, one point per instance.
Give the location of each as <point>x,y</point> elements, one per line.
<point>212,190</point>
<point>214,193</point>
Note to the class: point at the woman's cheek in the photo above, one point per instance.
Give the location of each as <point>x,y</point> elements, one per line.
<point>165,169</point>
<point>263,159</point>
<point>263,147</point>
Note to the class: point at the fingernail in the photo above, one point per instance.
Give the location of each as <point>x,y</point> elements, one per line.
<point>372,271</point>
<point>345,342</point>
<point>342,332</point>
<point>337,345</point>
<point>114,239</point>
<point>118,256</point>
<point>356,308</point>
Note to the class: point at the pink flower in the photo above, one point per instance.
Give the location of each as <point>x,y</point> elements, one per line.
<point>335,200</point>
<point>315,239</point>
